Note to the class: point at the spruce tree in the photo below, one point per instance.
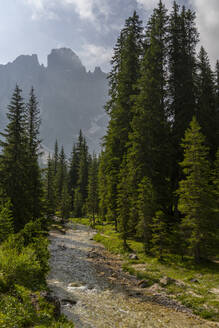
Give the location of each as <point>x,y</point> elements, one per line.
<point>33,146</point>
<point>183,39</point>
<point>50,189</point>
<point>14,159</point>
<point>61,175</point>
<point>73,174</point>
<point>93,199</point>
<point>195,193</point>
<point>146,209</point>
<point>56,157</point>
<point>122,88</point>
<point>102,190</point>
<point>149,145</point>
<point>206,103</point>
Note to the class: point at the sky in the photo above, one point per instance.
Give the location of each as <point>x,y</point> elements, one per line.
<point>89,27</point>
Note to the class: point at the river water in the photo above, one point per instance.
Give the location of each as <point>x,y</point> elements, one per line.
<point>90,300</point>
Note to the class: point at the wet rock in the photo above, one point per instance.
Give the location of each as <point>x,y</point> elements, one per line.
<point>93,255</point>
<point>68,302</point>
<point>144,283</point>
<point>154,288</point>
<point>133,256</point>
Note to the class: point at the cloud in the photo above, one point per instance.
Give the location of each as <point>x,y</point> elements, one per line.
<point>86,9</point>
<point>151,4</point>
<point>208,25</point>
<point>95,55</point>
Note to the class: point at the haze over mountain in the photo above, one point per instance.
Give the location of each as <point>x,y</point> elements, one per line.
<point>70,98</point>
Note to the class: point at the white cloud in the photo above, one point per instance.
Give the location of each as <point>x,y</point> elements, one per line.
<point>208,25</point>
<point>84,8</point>
<point>94,55</point>
<point>151,4</point>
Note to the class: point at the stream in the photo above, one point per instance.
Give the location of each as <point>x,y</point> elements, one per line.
<point>91,299</point>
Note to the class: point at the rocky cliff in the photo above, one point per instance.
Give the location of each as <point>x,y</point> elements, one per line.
<point>70,98</point>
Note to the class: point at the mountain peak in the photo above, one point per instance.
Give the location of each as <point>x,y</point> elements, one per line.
<point>64,59</point>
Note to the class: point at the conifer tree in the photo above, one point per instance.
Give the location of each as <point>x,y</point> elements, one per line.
<point>61,175</point>
<point>206,103</point>
<point>122,88</point>
<point>56,157</point>
<point>195,193</point>
<point>50,189</point>
<point>73,174</point>
<point>14,159</point>
<point>92,199</point>
<point>146,209</point>
<point>102,190</point>
<point>33,145</point>
<point>183,39</point>
<point>148,153</point>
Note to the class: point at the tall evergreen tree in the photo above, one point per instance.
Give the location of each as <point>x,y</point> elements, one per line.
<point>183,38</point>
<point>73,174</point>
<point>56,157</point>
<point>92,199</point>
<point>61,174</point>
<point>195,193</point>
<point>33,145</point>
<point>148,154</point>
<point>102,190</point>
<point>122,82</point>
<point>50,189</point>
<point>206,113</point>
<point>14,159</point>
<point>146,209</point>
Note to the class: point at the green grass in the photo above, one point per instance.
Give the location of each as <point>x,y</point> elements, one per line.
<point>196,296</point>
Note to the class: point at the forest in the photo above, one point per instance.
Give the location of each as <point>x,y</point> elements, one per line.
<point>156,179</point>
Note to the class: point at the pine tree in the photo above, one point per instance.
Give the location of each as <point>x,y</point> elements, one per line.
<point>160,235</point>
<point>183,39</point>
<point>102,190</point>
<point>195,193</point>
<point>50,189</point>
<point>73,174</point>
<point>149,145</point>
<point>14,159</point>
<point>61,175</point>
<point>122,83</point>
<point>92,199</point>
<point>33,144</point>
<point>146,209</point>
<point>80,191</point>
<point>6,221</point>
<point>206,106</point>
<point>123,203</point>
<point>56,157</point>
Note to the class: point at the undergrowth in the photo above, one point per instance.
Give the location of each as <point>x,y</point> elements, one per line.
<point>23,268</point>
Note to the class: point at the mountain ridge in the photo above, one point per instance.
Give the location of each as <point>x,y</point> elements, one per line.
<point>70,98</point>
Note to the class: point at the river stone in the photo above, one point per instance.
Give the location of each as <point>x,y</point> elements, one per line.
<point>166,281</point>
<point>144,283</point>
<point>133,257</point>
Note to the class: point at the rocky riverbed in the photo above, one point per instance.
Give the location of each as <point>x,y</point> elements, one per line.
<point>94,292</point>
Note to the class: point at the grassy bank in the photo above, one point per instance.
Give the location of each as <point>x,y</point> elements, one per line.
<point>24,300</point>
<point>195,286</point>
